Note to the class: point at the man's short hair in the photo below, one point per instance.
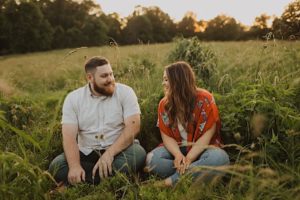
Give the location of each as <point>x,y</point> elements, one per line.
<point>92,63</point>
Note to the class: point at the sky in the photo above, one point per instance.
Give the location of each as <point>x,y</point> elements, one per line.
<point>243,11</point>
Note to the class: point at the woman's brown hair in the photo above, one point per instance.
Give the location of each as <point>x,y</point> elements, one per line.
<point>181,95</point>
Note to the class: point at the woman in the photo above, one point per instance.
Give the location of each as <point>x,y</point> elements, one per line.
<point>189,123</point>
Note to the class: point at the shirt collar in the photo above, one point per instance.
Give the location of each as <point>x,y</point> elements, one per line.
<point>102,97</point>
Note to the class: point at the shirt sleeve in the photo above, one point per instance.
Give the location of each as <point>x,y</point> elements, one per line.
<point>69,111</point>
<point>130,103</point>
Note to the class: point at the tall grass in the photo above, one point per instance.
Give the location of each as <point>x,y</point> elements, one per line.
<point>255,84</point>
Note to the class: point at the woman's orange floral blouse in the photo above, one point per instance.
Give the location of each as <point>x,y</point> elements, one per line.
<point>205,114</point>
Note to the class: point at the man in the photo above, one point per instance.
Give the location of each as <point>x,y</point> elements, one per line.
<point>99,124</point>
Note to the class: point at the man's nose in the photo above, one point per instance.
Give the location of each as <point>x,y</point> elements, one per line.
<point>110,78</point>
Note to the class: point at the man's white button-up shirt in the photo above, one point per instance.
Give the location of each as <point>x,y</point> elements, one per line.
<point>100,119</point>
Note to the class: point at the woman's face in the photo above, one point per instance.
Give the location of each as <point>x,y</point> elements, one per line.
<point>165,82</point>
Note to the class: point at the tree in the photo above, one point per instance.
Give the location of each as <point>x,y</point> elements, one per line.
<point>26,28</point>
<point>260,27</point>
<point>148,25</point>
<point>187,26</point>
<point>162,25</point>
<point>113,23</point>
<point>75,23</point>
<point>68,13</point>
<point>223,28</point>
<point>29,25</point>
<point>94,31</point>
<point>138,29</point>
<point>4,43</point>
<point>288,26</point>
<point>59,38</point>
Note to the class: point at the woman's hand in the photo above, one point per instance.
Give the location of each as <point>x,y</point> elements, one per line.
<point>188,161</point>
<point>180,163</point>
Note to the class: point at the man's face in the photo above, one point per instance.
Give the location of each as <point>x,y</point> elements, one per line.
<point>102,80</point>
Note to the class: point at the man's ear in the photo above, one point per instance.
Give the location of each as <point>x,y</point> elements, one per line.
<point>89,77</point>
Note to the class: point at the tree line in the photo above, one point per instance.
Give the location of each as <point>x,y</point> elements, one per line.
<point>38,25</point>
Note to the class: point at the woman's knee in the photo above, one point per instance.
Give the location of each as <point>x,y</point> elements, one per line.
<point>155,165</point>
<point>149,157</point>
<point>154,156</point>
<point>218,156</point>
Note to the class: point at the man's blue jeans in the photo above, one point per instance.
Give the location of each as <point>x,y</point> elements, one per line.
<point>130,160</point>
<point>161,162</point>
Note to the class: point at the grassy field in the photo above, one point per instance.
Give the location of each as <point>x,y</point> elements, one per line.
<point>256,85</point>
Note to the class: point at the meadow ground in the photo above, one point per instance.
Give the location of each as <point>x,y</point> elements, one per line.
<point>256,85</point>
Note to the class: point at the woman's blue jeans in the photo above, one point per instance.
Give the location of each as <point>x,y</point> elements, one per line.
<point>161,163</point>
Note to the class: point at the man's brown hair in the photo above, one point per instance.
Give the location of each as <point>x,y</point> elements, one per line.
<point>92,63</point>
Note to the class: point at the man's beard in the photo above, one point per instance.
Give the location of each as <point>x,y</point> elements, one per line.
<point>107,90</point>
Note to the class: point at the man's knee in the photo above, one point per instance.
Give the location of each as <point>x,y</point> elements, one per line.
<point>57,162</point>
<point>59,168</point>
<point>133,157</point>
<point>138,155</point>
<point>140,152</point>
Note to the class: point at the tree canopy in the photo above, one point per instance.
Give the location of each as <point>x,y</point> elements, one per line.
<point>37,25</point>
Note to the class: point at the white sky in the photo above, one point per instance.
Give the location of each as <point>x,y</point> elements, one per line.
<point>244,11</point>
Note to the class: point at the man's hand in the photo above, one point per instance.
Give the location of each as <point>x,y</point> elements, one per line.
<point>76,175</point>
<point>104,164</point>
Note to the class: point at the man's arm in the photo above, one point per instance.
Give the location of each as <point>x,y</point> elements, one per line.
<point>76,173</point>
<point>132,128</point>
<point>126,138</point>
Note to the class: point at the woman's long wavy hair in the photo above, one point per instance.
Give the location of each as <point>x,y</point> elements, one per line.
<point>181,95</point>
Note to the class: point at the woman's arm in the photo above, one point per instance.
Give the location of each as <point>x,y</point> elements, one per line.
<point>173,147</point>
<point>201,144</point>
<point>171,144</point>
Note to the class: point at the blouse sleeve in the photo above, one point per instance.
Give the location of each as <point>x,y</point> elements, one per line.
<point>163,121</point>
<point>209,115</point>
<point>214,114</point>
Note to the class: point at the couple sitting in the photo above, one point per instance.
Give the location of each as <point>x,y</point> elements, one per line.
<point>101,120</point>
